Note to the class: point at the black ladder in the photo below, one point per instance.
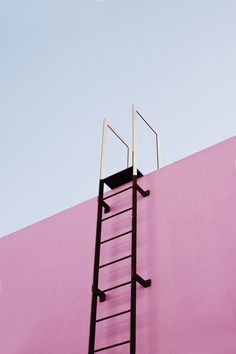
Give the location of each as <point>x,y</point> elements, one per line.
<point>113,182</point>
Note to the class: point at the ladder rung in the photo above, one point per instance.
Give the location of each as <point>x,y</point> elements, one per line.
<point>120,212</point>
<point>123,190</point>
<point>117,286</point>
<point>113,238</point>
<point>116,314</point>
<point>117,260</point>
<point>111,346</point>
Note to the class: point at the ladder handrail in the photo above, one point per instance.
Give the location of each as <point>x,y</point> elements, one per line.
<point>135,112</point>
<point>107,126</point>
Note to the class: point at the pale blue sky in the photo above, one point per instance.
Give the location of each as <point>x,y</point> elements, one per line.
<point>64,65</point>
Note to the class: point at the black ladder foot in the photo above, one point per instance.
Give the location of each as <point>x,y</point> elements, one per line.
<point>143,282</point>
<point>141,191</point>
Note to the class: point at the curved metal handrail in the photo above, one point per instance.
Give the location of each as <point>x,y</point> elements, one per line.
<point>135,113</point>
<point>106,127</point>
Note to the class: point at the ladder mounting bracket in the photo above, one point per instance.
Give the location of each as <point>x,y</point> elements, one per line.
<point>106,207</point>
<point>101,295</point>
<point>143,282</point>
<point>141,191</point>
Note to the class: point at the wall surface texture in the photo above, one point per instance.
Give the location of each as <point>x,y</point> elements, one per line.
<point>186,245</point>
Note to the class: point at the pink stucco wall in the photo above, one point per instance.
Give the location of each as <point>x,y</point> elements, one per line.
<point>186,244</point>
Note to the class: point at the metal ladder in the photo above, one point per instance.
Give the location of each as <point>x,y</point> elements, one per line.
<point>129,175</point>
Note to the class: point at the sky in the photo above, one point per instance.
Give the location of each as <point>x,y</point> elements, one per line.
<point>66,65</point>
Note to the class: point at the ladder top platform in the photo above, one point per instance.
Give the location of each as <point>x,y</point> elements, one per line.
<point>120,178</point>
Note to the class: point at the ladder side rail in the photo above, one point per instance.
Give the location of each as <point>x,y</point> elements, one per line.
<point>96,271</point>
<point>133,268</point>
<point>136,188</point>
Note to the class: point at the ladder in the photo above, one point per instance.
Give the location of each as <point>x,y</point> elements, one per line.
<point>128,177</point>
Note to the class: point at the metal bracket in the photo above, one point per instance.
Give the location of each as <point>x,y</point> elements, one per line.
<point>141,191</point>
<point>101,295</point>
<point>106,207</point>
<point>143,282</point>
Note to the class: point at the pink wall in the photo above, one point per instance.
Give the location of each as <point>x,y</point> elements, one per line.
<point>187,245</point>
